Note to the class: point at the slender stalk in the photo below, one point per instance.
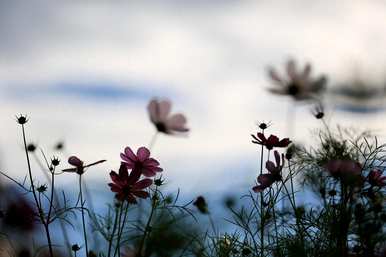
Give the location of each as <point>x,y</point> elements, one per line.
<point>147,227</point>
<point>153,140</point>
<point>120,230</point>
<point>82,210</point>
<point>262,218</point>
<point>56,198</point>
<point>117,212</point>
<point>40,211</point>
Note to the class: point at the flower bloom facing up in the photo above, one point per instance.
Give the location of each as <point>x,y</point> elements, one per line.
<point>376,179</point>
<point>270,142</point>
<point>128,186</point>
<point>79,166</point>
<point>297,84</point>
<point>347,170</point>
<point>274,175</point>
<point>141,161</point>
<point>159,112</point>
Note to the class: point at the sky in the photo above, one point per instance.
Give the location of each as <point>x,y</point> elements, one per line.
<point>84,72</point>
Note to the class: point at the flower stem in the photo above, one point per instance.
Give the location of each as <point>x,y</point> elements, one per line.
<point>120,230</point>
<point>153,140</point>
<point>82,210</point>
<point>117,212</point>
<point>39,207</point>
<point>147,227</point>
<point>262,205</point>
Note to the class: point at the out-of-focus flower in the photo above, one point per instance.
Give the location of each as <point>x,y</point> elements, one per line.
<point>141,161</point>
<point>20,215</point>
<point>347,170</point>
<point>128,187</point>
<point>201,205</point>
<point>376,179</point>
<point>274,175</point>
<point>270,142</point>
<point>79,166</point>
<point>31,147</point>
<point>360,95</point>
<point>298,84</point>
<point>159,112</point>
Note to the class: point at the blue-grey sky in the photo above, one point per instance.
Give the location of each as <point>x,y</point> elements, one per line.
<point>84,72</point>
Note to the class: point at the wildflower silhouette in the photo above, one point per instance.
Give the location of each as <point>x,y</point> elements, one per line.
<point>79,166</point>
<point>128,186</point>
<point>159,113</point>
<point>344,169</point>
<point>298,84</point>
<point>141,161</point>
<point>274,175</point>
<point>270,142</point>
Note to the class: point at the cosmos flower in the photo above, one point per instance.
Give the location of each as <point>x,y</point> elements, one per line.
<point>298,84</point>
<point>270,142</point>
<point>376,179</point>
<point>346,170</point>
<point>201,205</point>
<point>159,112</point>
<point>141,161</point>
<point>274,175</point>
<point>79,166</point>
<point>128,186</point>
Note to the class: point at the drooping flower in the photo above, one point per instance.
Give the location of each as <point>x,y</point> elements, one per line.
<point>270,142</point>
<point>159,113</point>
<point>274,175</point>
<point>141,161</point>
<point>376,179</point>
<point>298,84</point>
<point>128,186</point>
<point>79,166</point>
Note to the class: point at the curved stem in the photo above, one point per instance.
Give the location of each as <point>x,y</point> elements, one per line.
<point>82,210</point>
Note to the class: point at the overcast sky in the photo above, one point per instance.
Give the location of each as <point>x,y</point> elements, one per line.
<point>84,72</point>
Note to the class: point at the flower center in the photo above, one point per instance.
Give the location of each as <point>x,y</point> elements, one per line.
<point>293,88</point>
<point>161,127</point>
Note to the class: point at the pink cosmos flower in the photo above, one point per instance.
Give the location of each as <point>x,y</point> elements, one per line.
<point>79,166</point>
<point>141,161</point>
<point>159,112</point>
<point>298,84</point>
<point>274,175</point>
<point>376,179</point>
<point>128,187</point>
<point>270,142</point>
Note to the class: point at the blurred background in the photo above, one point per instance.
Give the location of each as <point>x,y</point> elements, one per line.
<point>84,72</point>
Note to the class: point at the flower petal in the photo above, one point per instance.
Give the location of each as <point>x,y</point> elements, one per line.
<point>75,161</point>
<point>144,183</point>
<point>130,154</point>
<point>141,194</point>
<point>153,111</point>
<point>143,153</point>
<point>164,108</point>
<point>177,123</point>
